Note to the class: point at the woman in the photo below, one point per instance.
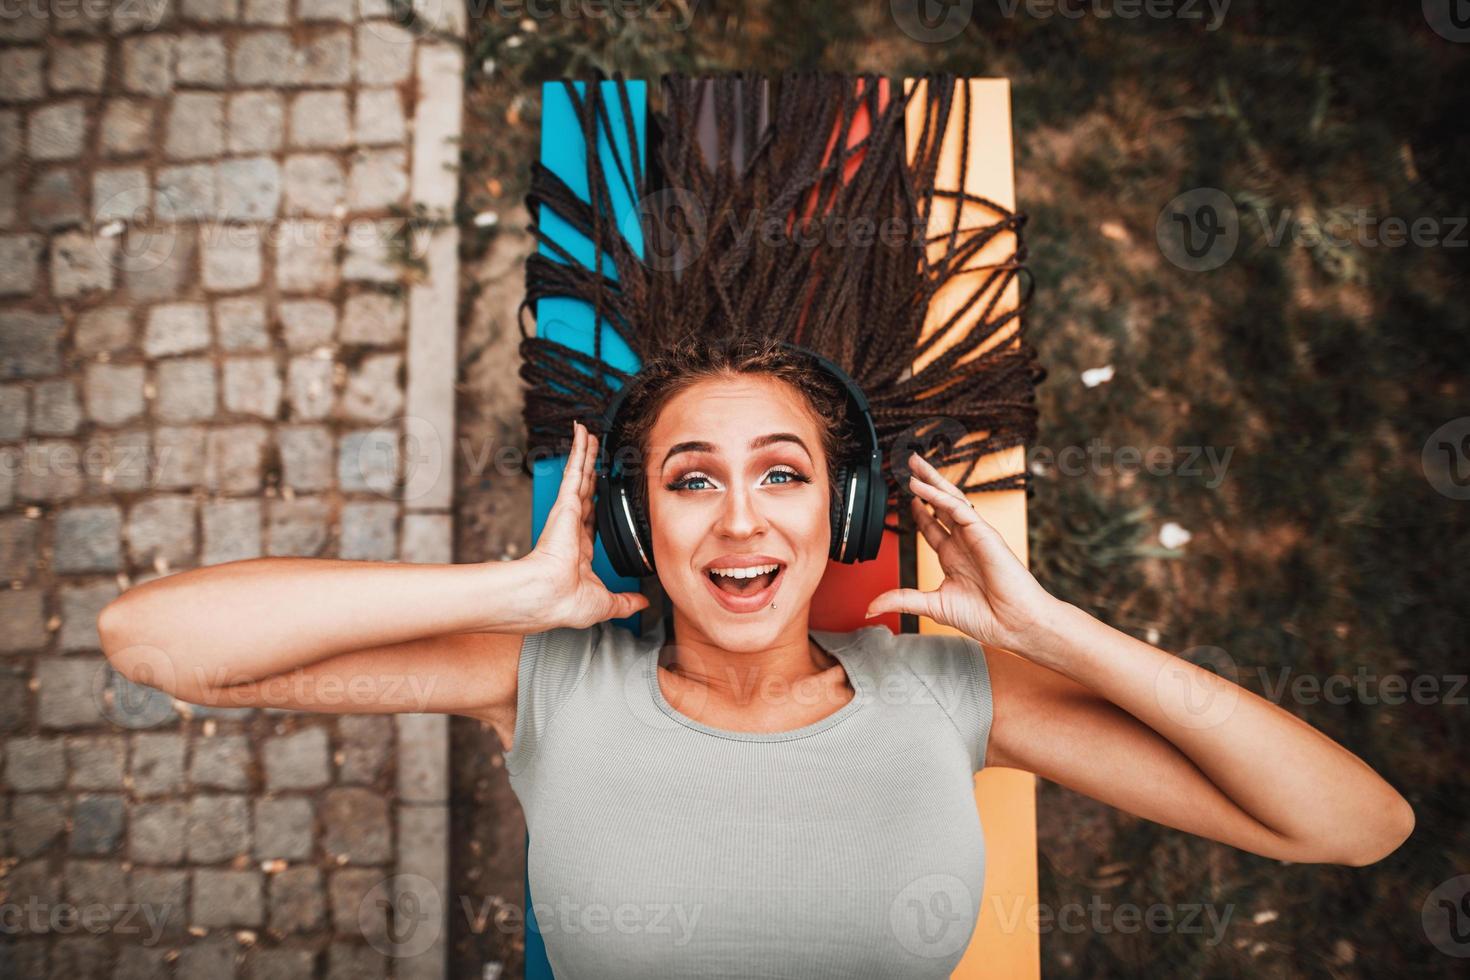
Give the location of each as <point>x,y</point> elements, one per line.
<point>743,795</point>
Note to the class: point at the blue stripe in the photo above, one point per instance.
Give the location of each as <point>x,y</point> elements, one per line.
<point>570,322</point>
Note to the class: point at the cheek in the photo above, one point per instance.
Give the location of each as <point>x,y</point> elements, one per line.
<point>809,526</point>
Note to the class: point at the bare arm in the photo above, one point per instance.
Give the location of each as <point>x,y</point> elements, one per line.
<point>1142,730</point>
<point>471,674</point>
<point>285,631</point>
<point>246,621</point>
<point>1133,726</point>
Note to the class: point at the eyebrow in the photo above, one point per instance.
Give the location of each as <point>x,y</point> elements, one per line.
<point>759,442</point>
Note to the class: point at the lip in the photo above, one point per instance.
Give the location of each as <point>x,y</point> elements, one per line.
<point>740,561</point>
<point>746,603</point>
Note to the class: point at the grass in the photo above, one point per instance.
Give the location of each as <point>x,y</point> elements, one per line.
<point>1323,550</point>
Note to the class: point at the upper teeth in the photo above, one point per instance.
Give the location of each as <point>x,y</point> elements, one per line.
<point>750,572</point>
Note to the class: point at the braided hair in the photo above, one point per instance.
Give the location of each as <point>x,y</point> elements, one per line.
<point>796,208</point>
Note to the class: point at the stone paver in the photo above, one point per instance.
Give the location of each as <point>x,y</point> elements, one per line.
<point>208,338</point>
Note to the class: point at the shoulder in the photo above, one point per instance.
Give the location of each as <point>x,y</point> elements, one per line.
<point>554,662</point>
<point>571,642</point>
<point>555,666</point>
<point>949,671</point>
<point>920,653</point>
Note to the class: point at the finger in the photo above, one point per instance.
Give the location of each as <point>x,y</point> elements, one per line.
<point>589,465</point>
<point>627,603</point>
<point>956,510</point>
<point>930,528</point>
<point>590,487</point>
<point>934,516</point>
<point>571,472</point>
<point>954,491</point>
<point>929,474</point>
<point>589,518</point>
<point>910,601</point>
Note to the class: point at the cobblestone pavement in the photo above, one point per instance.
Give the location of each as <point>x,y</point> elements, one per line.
<point>227,291</point>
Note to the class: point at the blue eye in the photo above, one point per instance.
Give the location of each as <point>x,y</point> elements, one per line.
<point>683,482</point>
<point>687,482</point>
<point>795,476</point>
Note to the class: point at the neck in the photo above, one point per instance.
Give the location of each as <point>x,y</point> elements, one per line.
<point>743,676</point>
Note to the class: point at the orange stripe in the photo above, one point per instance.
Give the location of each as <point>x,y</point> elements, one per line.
<point>1004,944</point>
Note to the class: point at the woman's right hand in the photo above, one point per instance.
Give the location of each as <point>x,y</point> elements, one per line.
<point>561,562</point>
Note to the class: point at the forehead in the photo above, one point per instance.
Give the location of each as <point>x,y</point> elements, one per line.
<point>730,411</point>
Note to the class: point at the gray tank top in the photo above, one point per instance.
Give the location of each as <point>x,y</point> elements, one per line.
<point>663,847</point>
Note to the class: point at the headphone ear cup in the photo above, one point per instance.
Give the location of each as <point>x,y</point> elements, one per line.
<point>606,523</point>
<point>876,501</point>
<point>617,537</point>
<point>865,522</point>
<point>836,517</point>
<point>644,531</point>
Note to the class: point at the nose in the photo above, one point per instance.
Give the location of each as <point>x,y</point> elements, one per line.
<point>741,515</point>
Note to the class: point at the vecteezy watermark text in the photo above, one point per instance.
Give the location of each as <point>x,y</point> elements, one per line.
<point>143,15</point>
<point>1186,10</point>
<point>1200,229</point>
<point>679,14</point>
<point>31,915</point>
<point>1363,687</point>
<point>937,21</point>
<point>1099,917</point>
<point>1098,458</point>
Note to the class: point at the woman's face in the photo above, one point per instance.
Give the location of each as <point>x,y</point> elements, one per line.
<point>737,477</point>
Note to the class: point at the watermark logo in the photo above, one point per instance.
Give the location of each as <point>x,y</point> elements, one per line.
<point>139,703</point>
<point>401,459</point>
<point>927,437</point>
<point>415,915</point>
<point>1199,229</point>
<point>1193,701</point>
<point>931,21</point>
<point>1446,917</point>
<point>408,20</point>
<point>1446,459</point>
<point>674,228</point>
<point>1450,19</point>
<point>645,698</point>
<point>933,916</point>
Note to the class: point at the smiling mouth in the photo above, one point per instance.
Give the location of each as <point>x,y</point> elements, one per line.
<point>731,585</point>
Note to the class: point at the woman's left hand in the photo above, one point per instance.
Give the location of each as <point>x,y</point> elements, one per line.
<point>987,593</point>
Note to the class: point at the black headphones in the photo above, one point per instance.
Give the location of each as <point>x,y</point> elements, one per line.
<point>859,496</point>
